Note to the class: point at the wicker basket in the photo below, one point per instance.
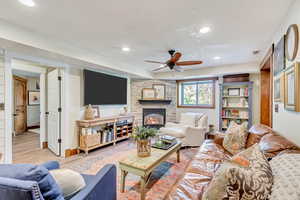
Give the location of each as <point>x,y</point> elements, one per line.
<point>144,148</point>
<point>90,140</point>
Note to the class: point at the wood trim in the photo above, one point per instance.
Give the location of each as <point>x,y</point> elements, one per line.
<point>266,66</point>
<point>203,107</point>
<point>236,78</point>
<point>71,152</point>
<point>269,55</point>
<point>45,145</point>
<point>271,86</point>
<point>31,127</point>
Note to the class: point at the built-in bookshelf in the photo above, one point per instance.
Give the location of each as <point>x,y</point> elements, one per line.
<point>235,104</point>
<point>103,131</point>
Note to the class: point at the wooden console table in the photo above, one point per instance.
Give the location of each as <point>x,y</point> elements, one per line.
<point>144,166</point>
<point>90,138</point>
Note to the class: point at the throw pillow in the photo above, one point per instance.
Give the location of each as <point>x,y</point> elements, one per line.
<point>69,181</point>
<point>27,172</point>
<point>256,132</point>
<point>239,182</point>
<point>286,174</point>
<point>235,138</point>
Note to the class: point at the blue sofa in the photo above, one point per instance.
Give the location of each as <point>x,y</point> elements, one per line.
<point>101,186</point>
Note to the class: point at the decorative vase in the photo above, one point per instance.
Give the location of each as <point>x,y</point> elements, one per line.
<point>144,148</point>
<point>89,113</point>
<point>125,109</point>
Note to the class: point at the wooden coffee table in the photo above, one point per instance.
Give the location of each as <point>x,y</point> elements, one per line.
<point>143,167</point>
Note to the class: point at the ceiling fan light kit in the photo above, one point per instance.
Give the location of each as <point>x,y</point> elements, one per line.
<point>173,63</point>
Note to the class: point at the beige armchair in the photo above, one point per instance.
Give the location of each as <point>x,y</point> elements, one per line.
<point>190,130</point>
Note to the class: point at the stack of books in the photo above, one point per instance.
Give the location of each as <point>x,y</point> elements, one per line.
<point>165,142</point>
<point>168,139</point>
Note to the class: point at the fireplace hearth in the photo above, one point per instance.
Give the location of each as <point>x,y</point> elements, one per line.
<point>154,117</point>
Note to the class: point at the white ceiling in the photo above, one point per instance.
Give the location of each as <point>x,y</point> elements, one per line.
<point>101,28</point>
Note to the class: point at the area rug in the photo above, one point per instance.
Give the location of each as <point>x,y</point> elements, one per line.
<point>161,181</point>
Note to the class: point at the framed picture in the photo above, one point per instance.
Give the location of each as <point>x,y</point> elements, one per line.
<point>233,91</point>
<point>292,42</point>
<point>33,98</point>
<point>279,88</point>
<point>291,94</point>
<point>96,111</point>
<point>148,94</point>
<point>279,56</point>
<point>160,91</point>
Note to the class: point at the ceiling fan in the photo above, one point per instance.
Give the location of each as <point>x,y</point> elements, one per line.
<point>173,63</point>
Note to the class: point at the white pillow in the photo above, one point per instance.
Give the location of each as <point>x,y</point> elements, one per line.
<point>69,181</point>
<point>190,119</point>
<point>286,174</point>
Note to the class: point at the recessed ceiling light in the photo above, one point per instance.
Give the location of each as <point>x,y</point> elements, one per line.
<point>205,29</point>
<point>217,58</point>
<point>126,49</point>
<point>29,3</point>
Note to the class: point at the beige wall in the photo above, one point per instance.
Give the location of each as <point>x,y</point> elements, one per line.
<point>2,138</point>
<point>287,122</point>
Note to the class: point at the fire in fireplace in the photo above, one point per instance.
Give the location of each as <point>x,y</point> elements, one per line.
<point>154,117</point>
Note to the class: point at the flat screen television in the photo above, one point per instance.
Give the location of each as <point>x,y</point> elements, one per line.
<point>103,89</point>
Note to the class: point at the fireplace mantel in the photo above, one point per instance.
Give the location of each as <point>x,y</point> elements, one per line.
<point>155,101</point>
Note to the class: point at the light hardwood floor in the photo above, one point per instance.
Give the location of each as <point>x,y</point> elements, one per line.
<point>26,149</point>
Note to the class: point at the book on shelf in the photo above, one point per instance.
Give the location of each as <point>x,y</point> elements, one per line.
<point>242,103</point>
<point>235,113</point>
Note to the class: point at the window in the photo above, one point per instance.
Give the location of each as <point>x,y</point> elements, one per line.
<point>197,93</point>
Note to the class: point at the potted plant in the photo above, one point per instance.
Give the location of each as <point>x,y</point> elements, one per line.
<point>143,137</point>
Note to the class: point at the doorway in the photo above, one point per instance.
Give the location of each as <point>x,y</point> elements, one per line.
<point>266,89</point>
<point>26,114</point>
<point>36,108</point>
<point>20,104</point>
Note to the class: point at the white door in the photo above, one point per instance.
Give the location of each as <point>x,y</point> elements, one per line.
<point>54,111</point>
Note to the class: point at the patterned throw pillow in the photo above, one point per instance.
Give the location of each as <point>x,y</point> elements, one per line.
<point>286,177</point>
<point>235,138</point>
<point>234,181</point>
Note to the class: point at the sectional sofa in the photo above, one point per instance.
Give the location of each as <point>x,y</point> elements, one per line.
<point>211,155</point>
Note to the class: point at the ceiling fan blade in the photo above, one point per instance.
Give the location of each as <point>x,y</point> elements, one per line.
<point>175,57</point>
<point>152,61</point>
<point>160,68</point>
<point>184,63</point>
<point>178,69</point>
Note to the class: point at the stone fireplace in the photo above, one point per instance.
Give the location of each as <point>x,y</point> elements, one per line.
<point>137,107</point>
<point>154,117</point>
